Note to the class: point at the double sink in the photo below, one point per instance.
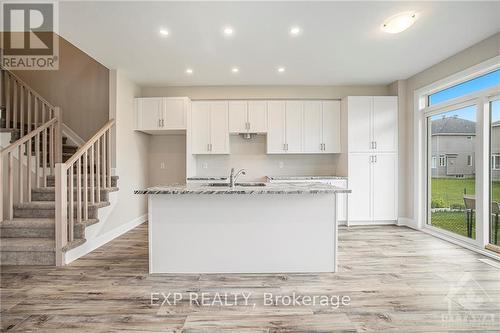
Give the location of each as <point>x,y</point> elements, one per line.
<point>237,184</point>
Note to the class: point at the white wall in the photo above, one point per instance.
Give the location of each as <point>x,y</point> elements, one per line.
<point>251,155</point>
<point>471,56</point>
<point>131,156</point>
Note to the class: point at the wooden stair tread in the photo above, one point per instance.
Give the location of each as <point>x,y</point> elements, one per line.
<point>52,205</point>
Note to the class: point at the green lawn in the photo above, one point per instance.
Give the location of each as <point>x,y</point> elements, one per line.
<point>448,193</point>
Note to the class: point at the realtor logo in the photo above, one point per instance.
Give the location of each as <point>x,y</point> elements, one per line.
<point>29,36</point>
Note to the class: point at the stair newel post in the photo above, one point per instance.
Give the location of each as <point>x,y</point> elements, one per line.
<point>61,223</point>
<point>58,135</point>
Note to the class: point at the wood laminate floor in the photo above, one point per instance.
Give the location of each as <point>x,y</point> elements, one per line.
<point>397,279</point>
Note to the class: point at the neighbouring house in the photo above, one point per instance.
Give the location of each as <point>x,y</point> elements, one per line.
<point>453,148</point>
<point>495,150</point>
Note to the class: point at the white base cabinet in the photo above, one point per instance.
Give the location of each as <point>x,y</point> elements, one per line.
<point>372,180</point>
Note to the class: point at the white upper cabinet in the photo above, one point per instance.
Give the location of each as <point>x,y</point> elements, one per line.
<point>247,116</point>
<point>219,131</point>
<point>175,112</point>
<point>156,114</point>
<point>257,116</point>
<point>294,126</point>
<point>373,123</point>
<point>322,127</point>
<point>330,130</point>
<point>200,128</point>
<point>148,113</point>
<point>360,123</point>
<point>276,127</point>
<point>209,127</point>
<point>313,126</point>
<point>238,116</point>
<point>385,123</point>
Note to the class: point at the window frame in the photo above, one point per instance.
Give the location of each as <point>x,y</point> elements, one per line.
<point>421,154</point>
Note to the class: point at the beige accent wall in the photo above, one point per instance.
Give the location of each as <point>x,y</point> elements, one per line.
<point>169,150</point>
<point>80,87</point>
<point>469,57</point>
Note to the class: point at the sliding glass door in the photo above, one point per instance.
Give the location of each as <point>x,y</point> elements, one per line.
<point>495,171</point>
<point>451,147</point>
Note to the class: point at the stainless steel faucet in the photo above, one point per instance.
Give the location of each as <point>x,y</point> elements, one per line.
<point>233,177</point>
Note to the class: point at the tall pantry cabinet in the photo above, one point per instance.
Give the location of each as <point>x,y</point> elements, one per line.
<point>372,160</point>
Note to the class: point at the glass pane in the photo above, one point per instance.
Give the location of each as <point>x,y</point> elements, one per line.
<point>486,81</point>
<point>452,184</point>
<point>495,172</point>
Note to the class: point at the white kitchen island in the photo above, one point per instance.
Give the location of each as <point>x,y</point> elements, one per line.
<point>277,228</point>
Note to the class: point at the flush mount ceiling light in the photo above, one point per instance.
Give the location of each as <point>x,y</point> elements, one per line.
<point>399,22</point>
<point>164,32</point>
<point>235,70</point>
<point>228,31</point>
<point>189,71</point>
<point>281,69</point>
<point>295,31</point>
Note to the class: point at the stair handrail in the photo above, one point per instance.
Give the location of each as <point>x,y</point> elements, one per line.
<point>15,95</point>
<point>45,136</point>
<point>94,158</point>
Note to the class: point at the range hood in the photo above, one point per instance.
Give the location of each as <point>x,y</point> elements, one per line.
<point>247,136</point>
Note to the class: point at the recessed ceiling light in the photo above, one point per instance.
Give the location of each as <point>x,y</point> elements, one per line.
<point>164,32</point>
<point>295,31</point>
<point>235,69</point>
<point>399,22</point>
<point>189,71</point>
<point>281,69</point>
<point>228,31</point>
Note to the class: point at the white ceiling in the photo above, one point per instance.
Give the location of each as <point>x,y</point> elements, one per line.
<point>341,42</point>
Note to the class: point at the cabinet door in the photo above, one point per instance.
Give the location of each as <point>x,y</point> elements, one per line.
<point>359,182</point>
<point>219,129</point>
<point>293,126</point>
<point>275,127</point>
<point>384,187</point>
<point>359,119</point>
<point>257,116</point>
<point>331,127</point>
<point>175,113</point>
<point>385,123</point>
<point>238,116</point>
<point>312,127</point>
<point>200,128</point>
<point>149,113</point>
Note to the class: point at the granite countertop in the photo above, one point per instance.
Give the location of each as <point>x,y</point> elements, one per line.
<point>207,178</point>
<point>288,188</point>
<point>303,177</point>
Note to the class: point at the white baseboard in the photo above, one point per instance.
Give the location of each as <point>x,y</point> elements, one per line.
<point>99,241</point>
<point>407,222</point>
<point>368,223</point>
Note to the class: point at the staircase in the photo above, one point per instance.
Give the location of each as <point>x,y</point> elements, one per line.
<point>53,189</point>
